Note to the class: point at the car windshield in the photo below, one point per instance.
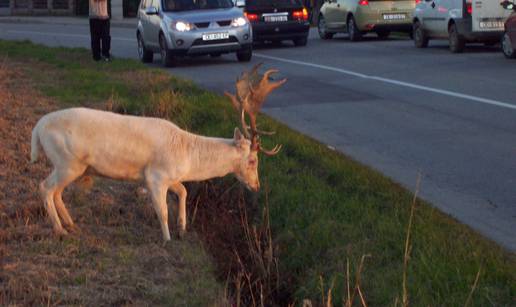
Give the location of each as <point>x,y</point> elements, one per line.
<point>190,5</point>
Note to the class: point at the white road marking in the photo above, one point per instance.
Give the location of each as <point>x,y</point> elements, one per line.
<point>392,81</point>
<point>67,35</point>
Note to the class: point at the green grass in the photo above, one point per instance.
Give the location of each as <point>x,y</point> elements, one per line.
<point>325,208</point>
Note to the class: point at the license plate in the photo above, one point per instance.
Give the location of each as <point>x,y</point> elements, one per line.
<point>215,36</point>
<point>394,16</point>
<point>275,18</point>
<point>491,25</point>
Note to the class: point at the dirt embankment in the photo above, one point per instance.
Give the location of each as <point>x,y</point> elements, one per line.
<point>116,258</point>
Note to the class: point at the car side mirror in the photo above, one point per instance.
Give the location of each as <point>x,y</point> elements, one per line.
<point>508,5</point>
<point>151,10</point>
<point>240,3</point>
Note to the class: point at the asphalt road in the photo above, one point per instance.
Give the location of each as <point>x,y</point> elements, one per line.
<point>386,104</point>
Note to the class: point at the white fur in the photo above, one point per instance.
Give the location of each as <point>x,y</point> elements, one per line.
<point>134,148</point>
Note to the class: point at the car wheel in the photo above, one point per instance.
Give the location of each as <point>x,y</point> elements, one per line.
<point>167,59</point>
<point>144,54</point>
<point>353,32</point>
<point>420,38</point>
<point>301,41</point>
<point>321,28</point>
<point>457,43</point>
<point>245,55</point>
<point>507,48</point>
<point>383,34</point>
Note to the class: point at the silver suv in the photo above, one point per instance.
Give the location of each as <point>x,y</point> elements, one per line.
<point>177,28</point>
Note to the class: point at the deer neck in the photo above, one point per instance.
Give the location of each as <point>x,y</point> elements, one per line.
<point>212,157</point>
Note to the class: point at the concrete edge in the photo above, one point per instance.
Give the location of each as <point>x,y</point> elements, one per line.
<point>130,24</point>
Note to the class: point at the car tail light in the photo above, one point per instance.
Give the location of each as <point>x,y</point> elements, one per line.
<point>251,16</point>
<point>418,1</point>
<point>363,2</point>
<point>469,7</point>
<point>300,15</point>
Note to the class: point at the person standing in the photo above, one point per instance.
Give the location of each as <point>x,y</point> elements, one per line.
<point>99,30</point>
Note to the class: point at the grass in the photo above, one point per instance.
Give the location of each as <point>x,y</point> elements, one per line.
<point>325,209</point>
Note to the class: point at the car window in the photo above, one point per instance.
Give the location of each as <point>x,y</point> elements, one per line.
<point>189,5</point>
<point>274,3</point>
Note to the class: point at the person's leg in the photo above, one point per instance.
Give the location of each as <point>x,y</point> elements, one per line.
<point>106,39</point>
<point>95,39</point>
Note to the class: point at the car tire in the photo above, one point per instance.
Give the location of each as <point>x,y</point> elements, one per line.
<point>383,34</point>
<point>353,32</point>
<point>145,55</point>
<point>244,55</point>
<point>420,38</point>
<point>321,28</point>
<point>167,59</point>
<point>457,43</point>
<point>301,41</point>
<point>507,48</point>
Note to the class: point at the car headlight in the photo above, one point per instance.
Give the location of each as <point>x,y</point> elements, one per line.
<point>182,26</point>
<point>238,22</point>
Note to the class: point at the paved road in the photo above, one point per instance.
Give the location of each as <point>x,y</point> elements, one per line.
<point>386,104</point>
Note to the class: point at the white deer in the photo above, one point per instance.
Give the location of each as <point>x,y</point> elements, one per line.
<point>80,140</point>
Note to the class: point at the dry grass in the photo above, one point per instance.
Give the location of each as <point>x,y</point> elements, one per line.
<point>117,257</point>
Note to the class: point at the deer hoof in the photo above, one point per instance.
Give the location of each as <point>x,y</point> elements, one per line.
<point>73,229</point>
<point>181,234</point>
<point>60,232</point>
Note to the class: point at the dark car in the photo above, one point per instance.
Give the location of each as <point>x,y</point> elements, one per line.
<point>509,35</point>
<point>278,20</point>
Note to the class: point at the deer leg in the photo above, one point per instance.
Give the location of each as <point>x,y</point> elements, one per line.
<point>64,179</point>
<point>47,189</point>
<point>181,193</point>
<point>158,190</point>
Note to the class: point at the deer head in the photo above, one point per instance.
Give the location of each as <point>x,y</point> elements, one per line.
<point>252,89</point>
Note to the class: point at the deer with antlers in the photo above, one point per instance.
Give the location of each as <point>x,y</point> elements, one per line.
<point>82,141</point>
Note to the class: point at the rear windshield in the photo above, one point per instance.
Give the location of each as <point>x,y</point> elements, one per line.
<point>190,5</point>
<point>273,3</point>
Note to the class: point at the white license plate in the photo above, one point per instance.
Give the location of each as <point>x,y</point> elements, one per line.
<point>215,36</point>
<point>394,16</point>
<point>275,18</point>
<point>491,25</point>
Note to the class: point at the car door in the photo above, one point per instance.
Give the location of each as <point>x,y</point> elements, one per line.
<point>341,13</point>
<point>434,20</point>
<point>154,23</point>
<point>330,13</point>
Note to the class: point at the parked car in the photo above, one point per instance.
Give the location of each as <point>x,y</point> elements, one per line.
<point>176,28</point>
<point>357,17</point>
<point>459,21</point>
<point>278,20</point>
<point>509,35</point>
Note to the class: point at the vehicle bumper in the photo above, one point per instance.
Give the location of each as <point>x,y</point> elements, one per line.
<point>280,31</point>
<point>214,48</point>
<point>464,27</point>
<point>191,43</point>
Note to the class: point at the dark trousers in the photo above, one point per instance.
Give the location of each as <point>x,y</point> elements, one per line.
<point>100,38</point>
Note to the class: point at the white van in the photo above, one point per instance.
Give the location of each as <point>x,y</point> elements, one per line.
<point>459,21</point>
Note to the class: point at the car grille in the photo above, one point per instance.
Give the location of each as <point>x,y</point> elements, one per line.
<point>224,23</point>
<point>202,24</point>
<point>200,42</point>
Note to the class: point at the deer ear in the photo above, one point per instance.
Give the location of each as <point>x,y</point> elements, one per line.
<point>237,136</point>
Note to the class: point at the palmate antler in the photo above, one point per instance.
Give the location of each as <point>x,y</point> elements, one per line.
<point>251,91</point>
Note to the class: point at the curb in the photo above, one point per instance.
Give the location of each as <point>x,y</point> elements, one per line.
<point>131,24</point>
